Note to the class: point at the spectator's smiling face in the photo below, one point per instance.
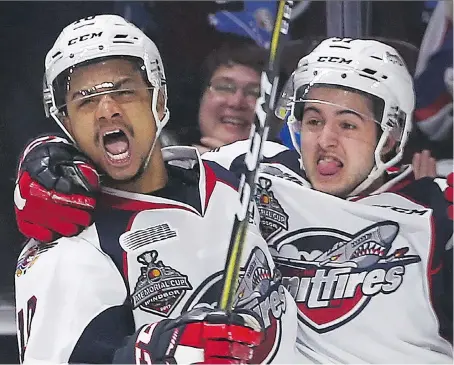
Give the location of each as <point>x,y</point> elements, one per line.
<point>227,108</point>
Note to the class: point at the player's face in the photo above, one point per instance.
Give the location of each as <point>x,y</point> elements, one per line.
<point>114,126</point>
<point>338,140</point>
<point>227,108</point>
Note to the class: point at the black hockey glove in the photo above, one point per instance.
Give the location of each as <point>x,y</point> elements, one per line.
<point>55,189</point>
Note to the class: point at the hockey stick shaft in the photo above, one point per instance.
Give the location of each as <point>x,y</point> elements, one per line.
<point>264,110</point>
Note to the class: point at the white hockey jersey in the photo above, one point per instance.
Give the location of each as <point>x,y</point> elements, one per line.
<point>371,277</point>
<point>146,258</point>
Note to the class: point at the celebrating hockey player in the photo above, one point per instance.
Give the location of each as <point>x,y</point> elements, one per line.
<point>142,282</point>
<point>362,246</point>
<point>365,252</point>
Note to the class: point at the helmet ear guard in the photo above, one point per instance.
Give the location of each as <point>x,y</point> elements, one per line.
<point>47,98</point>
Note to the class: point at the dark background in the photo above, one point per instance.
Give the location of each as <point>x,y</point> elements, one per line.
<point>181,31</point>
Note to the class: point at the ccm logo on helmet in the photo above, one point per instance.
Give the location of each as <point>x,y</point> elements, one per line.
<point>84,38</point>
<point>333,59</point>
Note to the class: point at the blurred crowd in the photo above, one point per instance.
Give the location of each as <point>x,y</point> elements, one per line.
<point>213,73</point>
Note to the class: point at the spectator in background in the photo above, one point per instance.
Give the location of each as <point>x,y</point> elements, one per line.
<point>231,86</point>
<point>434,88</point>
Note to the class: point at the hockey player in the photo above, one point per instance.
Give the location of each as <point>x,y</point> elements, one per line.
<point>363,250</point>
<point>140,285</point>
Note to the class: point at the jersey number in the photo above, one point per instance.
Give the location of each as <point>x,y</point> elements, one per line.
<point>24,323</point>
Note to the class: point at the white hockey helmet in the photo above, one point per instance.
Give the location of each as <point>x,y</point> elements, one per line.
<point>98,37</point>
<point>365,66</point>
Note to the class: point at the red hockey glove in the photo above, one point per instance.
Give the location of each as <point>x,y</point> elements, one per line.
<point>202,336</point>
<point>55,187</point>
<point>449,192</point>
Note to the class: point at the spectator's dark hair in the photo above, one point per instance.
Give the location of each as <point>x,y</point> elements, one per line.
<point>234,52</point>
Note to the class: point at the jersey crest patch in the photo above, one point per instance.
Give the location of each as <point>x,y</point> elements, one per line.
<point>333,275</point>
<point>27,260</point>
<point>273,219</point>
<point>159,287</point>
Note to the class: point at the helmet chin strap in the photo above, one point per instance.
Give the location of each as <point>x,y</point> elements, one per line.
<point>160,123</point>
<point>52,110</point>
<point>379,166</point>
<point>54,115</point>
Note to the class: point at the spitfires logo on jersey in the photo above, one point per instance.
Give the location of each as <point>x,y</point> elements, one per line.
<point>333,275</point>
<point>260,290</point>
<point>29,257</point>
<point>273,219</point>
<point>159,287</point>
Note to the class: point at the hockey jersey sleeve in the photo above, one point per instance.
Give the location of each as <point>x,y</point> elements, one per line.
<point>69,304</point>
<point>428,191</point>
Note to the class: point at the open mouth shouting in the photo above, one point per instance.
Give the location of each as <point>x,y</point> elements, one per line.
<point>116,143</point>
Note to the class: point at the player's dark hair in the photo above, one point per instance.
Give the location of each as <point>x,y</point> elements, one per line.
<point>62,81</point>
<point>378,105</point>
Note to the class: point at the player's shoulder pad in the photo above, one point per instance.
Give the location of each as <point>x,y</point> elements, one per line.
<point>427,191</point>
<point>232,156</point>
<point>71,254</point>
<point>441,182</point>
<point>226,155</point>
<point>185,157</point>
<point>58,253</point>
<point>221,174</point>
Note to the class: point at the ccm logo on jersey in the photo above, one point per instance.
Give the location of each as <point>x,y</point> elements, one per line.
<point>404,210</point>
<point>333,275</point>
<point>260,290</point>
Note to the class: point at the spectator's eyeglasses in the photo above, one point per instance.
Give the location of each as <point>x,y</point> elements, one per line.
<point>230,88</point>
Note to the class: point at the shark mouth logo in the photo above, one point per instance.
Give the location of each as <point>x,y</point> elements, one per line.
<point>333,275</point>
<point>260,290</point>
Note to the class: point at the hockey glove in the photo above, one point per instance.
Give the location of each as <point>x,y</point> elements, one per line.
<point>449,192</point>
<point>55,190</point>
<point>202,335</point>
